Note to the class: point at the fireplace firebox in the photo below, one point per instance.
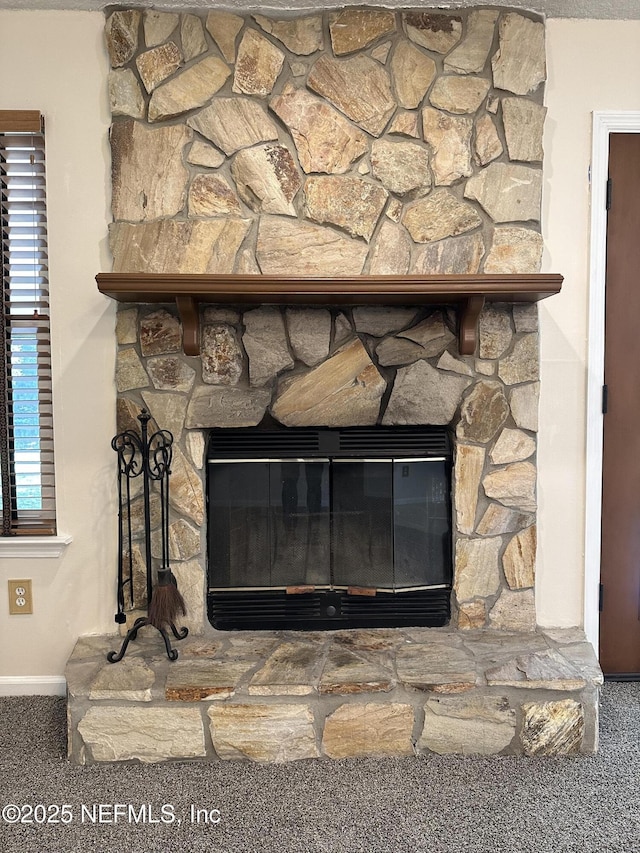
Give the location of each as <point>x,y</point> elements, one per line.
<point>329,528</point>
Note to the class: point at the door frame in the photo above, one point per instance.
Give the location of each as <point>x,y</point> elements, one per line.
<point>604,123</point>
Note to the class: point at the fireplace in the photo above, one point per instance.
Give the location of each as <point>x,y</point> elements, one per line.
<point>329,528</point>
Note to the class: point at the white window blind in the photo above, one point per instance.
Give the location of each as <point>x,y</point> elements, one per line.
<point>26,417</point>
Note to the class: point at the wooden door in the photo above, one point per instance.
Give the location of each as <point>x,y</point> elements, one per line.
<point>620,564</point>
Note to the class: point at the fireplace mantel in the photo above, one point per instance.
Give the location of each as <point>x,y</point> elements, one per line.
<point>469,292</point>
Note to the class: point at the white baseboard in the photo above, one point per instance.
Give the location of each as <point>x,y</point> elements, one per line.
<point>33,685</point>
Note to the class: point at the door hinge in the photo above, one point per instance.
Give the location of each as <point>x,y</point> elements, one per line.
<point>600,597</point>
<point>609,189</point>
<point>605,399</point>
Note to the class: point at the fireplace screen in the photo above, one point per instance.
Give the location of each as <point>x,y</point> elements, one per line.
<point>329,528</point>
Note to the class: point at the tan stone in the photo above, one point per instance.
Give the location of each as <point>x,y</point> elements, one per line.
<point>413,72</point>
<point>401,167</point>
<point>127,412</point>
<point>191,583</point>
<point>247,264</point>
<point>423,395</point>
<point>265,342</point>
<point>509,193</point>
<point>515,610</point>
<point>495,332</point>
<point>471,615</point>
<point>470,56</point>
<point>524,405</point>
<point>450,138</point>
<point>309,333</point>
<point>348,671</point>
<point>168,410</point>
<point>356,29</point>
<point>195,447</point>
<point>130,681</point>
<point>160,332</point>
<point>552,728</point>
<point>211,195</point>
<point>158,26</point>
<point>469,464</point>
<point>184,540</point>
<point>500,519</point>
<point>287,247</point>
<point>483,412</point>
<point>513,485</point>
<point>221,355</point>
<point>359,87</point>
<point>127,325</point>
<point>301,36</point>
<point>514,250</point>
<point>378,320</point>
<point>125,96</point>
<point>405,123</point>
<point>324,139</point>
<point>173,246</point>
<point>185,488</point>
<point>459,94</point>
<point>448,362</point>
<point>381,52</point>
<point>519,63</point>
<point>452,256</point>
<point>149,178</point>
<point>438,216</point>
<point>342,330</point>
<point>359,731</point>
<point>157,64</point>
<point>350,203</point>
<point>192,37</point>
<point>267,178</point>
<point>273,733</point>
<point>523,122</point>
<point>485,368</point>
<point>345,390</point>
<point>197,680</point>
<point>523,363</point>
<point>434,31</point>
<point>487,142</point>
<point>545,670</point>
<point>394,210</point>
<point>224,28</point>
<point>121,33</point>
<point>223,406</point>
<point>188,90</point>
<point>391,251</point>
<point>203,154</point>
<point>432,334</point>
<point>512,445</point>
<point>142,733</point>
<point>234,123</point>
<point>478,725</point>
<point>519,559</point>
<point>440,668</point>
<point>394,351</point>
<point>477,570</point>
<point>258,64</point>
<point>129,371</point>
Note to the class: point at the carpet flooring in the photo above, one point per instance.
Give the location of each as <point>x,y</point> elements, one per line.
<point>436,804</point>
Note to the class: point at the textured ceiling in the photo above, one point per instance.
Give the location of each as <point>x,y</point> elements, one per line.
<point>604,9</point>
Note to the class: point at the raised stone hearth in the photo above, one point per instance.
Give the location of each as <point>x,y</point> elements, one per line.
<point>283,696</point>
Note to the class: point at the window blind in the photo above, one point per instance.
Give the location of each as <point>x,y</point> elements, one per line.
<point>26,417</point>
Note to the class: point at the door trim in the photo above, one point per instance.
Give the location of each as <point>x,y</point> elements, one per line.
<point>604,123</point>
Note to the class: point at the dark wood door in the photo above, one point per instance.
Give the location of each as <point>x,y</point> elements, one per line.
<point>620,572</point>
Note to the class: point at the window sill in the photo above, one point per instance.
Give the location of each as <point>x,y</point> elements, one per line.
<point>34,546</point>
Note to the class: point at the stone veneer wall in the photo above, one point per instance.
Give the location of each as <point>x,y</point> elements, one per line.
<point>361,141</point>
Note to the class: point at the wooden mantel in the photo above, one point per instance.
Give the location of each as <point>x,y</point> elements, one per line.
<point>469,292</point>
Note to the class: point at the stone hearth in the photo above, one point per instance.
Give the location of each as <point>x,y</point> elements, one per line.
<point>283,696</point>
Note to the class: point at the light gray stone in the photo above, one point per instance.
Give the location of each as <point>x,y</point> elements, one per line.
<point>485,368</point>
<point>359,87</point>
<point>514,250</point>
<point>525,317</point>
<point>267,178</point>
<point>523,122</point>
<point>203,154</point>
<point>432,30</point>
<point>547,670</point>
<point>350,203</point>
<point>288,247</point>
<point>519,559</point>
<point>309,333</point>
<point>148,175</point>
<point>185,488</point>
<point>355,29</point>
<point>160,333</point>
<point>168,410</point>
<point>324,139</point>
<point>468,467</point>
<point>391,252</point>
<point>130,373</point>
<point>158,26</point>
<point>448,362</point>
<point>198,680</point>
<point>184,540</point>
<point>348,671</point>
<point>221,354</point>
<point>265,341</point>
<point>459,94</point>
<point>477,725</point>
<point>192,37</point>
<point>190,578</point>
<point>258,64</point>
<point>234,123</point>
<point>121,33</point>
<point>195,447</point>
<point>487,144</point>
<point>125,96</point>
<point>501,519</point>
<point>423,395</point>
<point>127,326</point>
<point>142,733</point>
<point>155,65</point>
<point>211,195</point>
<point>247,264</point>
<point>495,332</point>
<point>440,668</point>
<point>471,54</point>
<point>359,731</point>
<point>302,36</point>
<point>515,610</point>
<point>220,406</point>
<point>273,733</point>
<point>432,334</point>
<point>413,72</point>
<point>224,28</point>
<point>514,486</point>
<point>393,351</point>
<point>293,669</point>
<point>131,681</point>
<point>401,167</point>
<point>438,216</point>
<point>524,405</point>
<point>451,256</point>
<point>477,568</point>
<point>380,320</point>
<point>509,193</point>
<point>483,412</point>
<point>512,445</point>
<point>519,64</point>
<point>450,138</point>
<point>188,90</point>
<point>523,363</point>
<point>345,390</point>
<point>342,329</point>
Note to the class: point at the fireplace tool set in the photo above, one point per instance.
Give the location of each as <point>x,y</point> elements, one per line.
<point>147,457</point>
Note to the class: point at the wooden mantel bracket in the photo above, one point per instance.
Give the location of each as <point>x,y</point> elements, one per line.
<point>468,292</point>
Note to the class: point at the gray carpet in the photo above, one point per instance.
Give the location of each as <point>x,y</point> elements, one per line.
<point>405,805</point>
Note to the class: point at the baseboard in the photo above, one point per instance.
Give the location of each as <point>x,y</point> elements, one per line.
<point>33,685</point>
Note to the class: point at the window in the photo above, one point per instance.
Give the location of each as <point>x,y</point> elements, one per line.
<point>27,500</point>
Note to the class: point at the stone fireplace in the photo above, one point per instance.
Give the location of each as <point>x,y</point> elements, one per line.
<point>356,143</point>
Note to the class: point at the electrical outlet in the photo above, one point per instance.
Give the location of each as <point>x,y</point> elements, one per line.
<point>20,597</point>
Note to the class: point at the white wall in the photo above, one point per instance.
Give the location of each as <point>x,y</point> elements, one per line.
<point>56,62</point>
<point>592,65</point>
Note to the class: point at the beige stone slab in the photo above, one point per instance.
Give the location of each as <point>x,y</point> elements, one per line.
<point>301,36</point>
<point>347,671</point>
<point>292,669</point>
<point>468,467</point>
<point>435,31</point>
<point>552,728</point>
<point>196,680</point>
<point>359,731</point>
<point>515,610</point>
<point>491,647</point>
<point>519,63</point>
<point>189,89</point>
<point>438,668</point>
<point>514,486</point>
<point>234,123</point>
<point>258,65</point>
<point>582,656</point>
<point>477,569</point>
<point>547,670</point>
<point>369,639</point>
<point>473,725</point>
<point>356,29</point>
<point>413,72</point>
<point>424,395</point>
<point>519,559</point>
<point>273,733</point>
